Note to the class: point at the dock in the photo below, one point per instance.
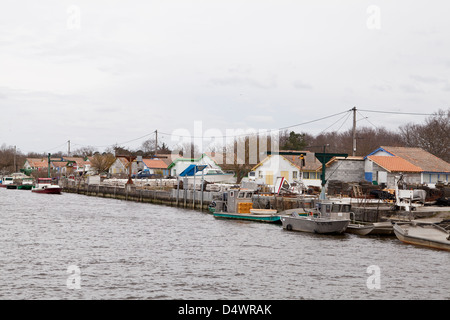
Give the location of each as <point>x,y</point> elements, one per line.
<point>169,192</point>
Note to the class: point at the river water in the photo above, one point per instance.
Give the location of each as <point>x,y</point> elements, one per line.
<point>77,247</point>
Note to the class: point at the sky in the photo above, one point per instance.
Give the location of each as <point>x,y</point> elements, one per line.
<point>100,73</point>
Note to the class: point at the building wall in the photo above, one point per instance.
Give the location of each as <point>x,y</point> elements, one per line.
<point>346,171</point>
<point>408,177</point>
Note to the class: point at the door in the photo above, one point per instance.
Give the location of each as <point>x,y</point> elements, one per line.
<point>269,177</point>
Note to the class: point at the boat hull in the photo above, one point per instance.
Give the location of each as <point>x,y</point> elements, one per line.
<point>314,225</point>
<point>359,229</point>
<point>47,190</point>
<point>427,235</point>
<point>25,187</point>
<point>251,217</point>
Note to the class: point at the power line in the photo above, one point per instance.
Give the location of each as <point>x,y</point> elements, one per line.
<point>397,112</point>
<point>261,132</point>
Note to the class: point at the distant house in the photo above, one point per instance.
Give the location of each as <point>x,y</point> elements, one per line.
<point>417,166</point>
<point>36,164</point>
<point>121,166</point>
<point>155,166</point>
<point>289,166</point>
<point>180,164</point>
<point>79,165</point>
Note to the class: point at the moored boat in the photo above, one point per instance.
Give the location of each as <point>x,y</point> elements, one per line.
<point>314,223</point>
<point>6,181</point>
<point>44,185</point>
<point>238,205</point>
<point>423,234</point>
<point>385,228</point>
<point>359,229</point>
<point>270,218</point>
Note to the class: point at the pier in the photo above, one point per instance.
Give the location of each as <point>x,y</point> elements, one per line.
<point>171,192</point>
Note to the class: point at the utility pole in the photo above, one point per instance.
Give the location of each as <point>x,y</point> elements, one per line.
<point>354,132</point>
<point>156,142</point>
<point>15,154</point>
<point>68,148</point>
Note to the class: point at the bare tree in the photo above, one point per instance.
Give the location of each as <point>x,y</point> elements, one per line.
<point>432,136</point>
<point>102,163</point>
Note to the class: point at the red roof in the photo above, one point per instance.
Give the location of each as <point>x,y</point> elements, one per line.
<point>155,163</point>
<point>395,164</point>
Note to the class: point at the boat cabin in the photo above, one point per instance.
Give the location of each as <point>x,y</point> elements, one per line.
<point>236,201</point>
<point>7,180</point>
<point>333,209</point>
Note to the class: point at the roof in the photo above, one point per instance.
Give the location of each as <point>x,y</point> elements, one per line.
<point>155,163</point>
<point>192,170</point>
<point>311,163</point>
<point>395,164</point>
<point>421,158</point>
<point>37,162</point>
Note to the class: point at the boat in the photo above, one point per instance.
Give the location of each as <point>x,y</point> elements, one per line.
<point>270,218</point>
<point>6,181</point>
<point>313,222</point>
<point>44,185</point>
<point>212,175</point>
<point>237,204</point>
<point>385,228</point>
<point>27,184</point>
<point>359,228</point>
<point>428,235</point>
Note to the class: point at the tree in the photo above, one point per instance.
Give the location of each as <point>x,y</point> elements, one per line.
<point>84,152</point>
<point>102,162</point>
<point>432,136</point>
<point>295,141</point>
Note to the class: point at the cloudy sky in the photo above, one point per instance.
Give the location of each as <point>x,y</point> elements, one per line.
<point>104,72</point>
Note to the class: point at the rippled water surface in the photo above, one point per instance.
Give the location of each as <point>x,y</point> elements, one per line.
<point>128,250</point>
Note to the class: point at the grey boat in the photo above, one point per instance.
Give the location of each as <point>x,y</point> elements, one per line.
<point>327,218</point>
<point>423,234</point>
<point>360,229</point>
<point>314,224</point>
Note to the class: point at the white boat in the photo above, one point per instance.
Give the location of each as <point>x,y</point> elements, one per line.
<point>6,181</point>
<point>214,176</point>
<point>44,185</point>
<point>423,234</point>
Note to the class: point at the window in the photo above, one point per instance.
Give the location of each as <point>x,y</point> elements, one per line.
<point>260,174</point>
<point>294,174</point>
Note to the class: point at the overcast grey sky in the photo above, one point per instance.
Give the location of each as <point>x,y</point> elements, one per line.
<point>105,72</point>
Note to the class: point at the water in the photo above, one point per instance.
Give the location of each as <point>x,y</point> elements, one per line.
<point>128,250</point>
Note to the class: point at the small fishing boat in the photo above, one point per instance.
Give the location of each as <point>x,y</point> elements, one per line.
<point>237,204</point>
<point>359,228</point>
<point>314,223</point>
<point>6,181</point>
<point>44,185</point>
<point>270,218</point>
<point>423,234</point>
<point>27,184</point>
<point>385,228</point>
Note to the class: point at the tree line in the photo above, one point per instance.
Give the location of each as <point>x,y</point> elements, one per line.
<point>432,135</point>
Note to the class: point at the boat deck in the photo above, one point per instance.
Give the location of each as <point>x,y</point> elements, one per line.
<point>426,232</point>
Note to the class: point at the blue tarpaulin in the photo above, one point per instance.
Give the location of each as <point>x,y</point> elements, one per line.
<point>192,170</point>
